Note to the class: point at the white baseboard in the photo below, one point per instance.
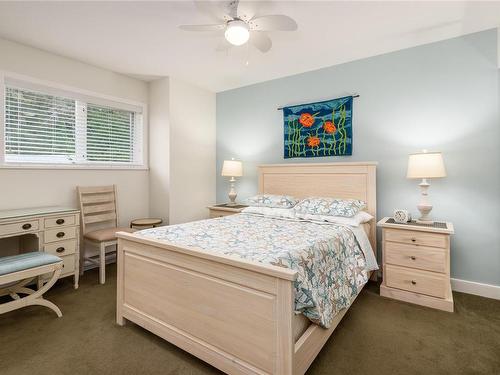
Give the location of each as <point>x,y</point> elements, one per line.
<point>479,289</point>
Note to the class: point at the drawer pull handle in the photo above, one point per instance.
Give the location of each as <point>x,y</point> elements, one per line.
<point>413,257</point>
<point>60,249</point>
<point>413,282</point>
<point>413,239</point>
<point>60,221</point>
<point>60,234</point>
<point>26,226</point>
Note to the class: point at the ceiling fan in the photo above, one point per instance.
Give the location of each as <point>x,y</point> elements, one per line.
<point>238,22</point>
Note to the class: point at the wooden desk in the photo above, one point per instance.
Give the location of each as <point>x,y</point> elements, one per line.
<point>55,230</point>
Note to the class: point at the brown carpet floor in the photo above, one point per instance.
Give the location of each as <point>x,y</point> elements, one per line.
<point>377,336</point>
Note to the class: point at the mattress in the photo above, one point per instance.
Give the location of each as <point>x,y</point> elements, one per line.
<point>332,262</point>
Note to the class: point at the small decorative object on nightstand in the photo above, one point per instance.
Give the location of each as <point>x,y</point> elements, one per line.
<point>401,216</point>
<point>425,165</point>
<point>232,168</point>
<point>416,263</point>
<point>225,209</point>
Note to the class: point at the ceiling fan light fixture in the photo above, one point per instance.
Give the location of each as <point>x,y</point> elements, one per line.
<point>237,32</point>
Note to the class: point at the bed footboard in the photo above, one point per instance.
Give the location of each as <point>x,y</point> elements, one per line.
<point>233,314</point>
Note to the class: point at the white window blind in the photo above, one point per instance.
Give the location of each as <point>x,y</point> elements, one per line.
<point>44,128</point>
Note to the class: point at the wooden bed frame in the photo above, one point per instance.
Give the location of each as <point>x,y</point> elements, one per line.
<point>235,314</point>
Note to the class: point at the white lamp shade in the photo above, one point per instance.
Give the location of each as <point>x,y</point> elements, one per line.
<point>232,168</point>
<point>426,165</point>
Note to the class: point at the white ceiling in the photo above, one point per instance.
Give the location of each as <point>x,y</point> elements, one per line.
<point>142,39</point>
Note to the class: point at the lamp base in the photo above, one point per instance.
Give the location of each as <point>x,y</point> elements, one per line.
<point>430,222</point>
<point>232,193</point>
<point>424,206</point>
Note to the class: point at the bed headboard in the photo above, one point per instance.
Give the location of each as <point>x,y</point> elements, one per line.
<point>355,180</point>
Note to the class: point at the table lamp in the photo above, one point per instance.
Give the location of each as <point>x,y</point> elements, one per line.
<point>425,165</point>
<point>232,168</point>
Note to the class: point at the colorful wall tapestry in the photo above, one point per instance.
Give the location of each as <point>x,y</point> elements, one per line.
<point>318,129</point>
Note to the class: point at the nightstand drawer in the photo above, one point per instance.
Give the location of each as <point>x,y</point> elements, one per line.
<point>217,213</point>
<point>416,238</point>
<point>432,284</point>
<point>422,257</point>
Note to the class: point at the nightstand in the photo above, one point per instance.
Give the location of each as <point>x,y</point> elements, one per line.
<point>225,209</point>
<point>416,263</point>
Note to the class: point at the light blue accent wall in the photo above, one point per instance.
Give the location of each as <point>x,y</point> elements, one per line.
<point>442,96</point>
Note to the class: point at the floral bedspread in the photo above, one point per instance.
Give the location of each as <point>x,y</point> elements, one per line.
<point>330,264</point>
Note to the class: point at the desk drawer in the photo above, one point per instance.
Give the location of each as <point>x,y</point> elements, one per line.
<point>422,257</point>
<point>424,282</point>
<point>416,238</point>
<point>68,265</point>
<point>59,234</point>
<point>27,226</point>
<point>60,221</point>
<point>61,248</point>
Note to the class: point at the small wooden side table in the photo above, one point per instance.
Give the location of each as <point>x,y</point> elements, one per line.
<point>225,209</point>
<point>145,223</point>
<point>416,263</point>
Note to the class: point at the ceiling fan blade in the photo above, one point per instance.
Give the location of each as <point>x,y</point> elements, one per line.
<point>202,27</point>
<point>261,41</point>
<point>214,9</point>
<point>277,22</point>
<point>245,10</point>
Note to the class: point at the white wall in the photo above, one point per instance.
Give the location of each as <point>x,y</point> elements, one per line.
<point>38,187</point>
<point>159,150</point>
<point>192,151</point>
<point>498,47</point>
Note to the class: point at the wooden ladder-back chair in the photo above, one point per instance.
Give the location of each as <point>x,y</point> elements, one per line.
<point>98,210</point>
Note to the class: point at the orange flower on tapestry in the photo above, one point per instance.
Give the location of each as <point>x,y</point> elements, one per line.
<point>313,141</point>
<point>306,120</point>
<point>329,127</point>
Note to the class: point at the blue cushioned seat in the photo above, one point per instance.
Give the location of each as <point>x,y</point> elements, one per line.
<point>21,262</point>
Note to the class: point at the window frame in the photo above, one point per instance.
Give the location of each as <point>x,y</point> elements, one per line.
<point>79,95</point>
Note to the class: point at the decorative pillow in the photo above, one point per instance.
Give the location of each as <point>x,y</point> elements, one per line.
<point>330,206</point>
<point>269,200</point>
<point>286,213</point>
<point>360,218</point>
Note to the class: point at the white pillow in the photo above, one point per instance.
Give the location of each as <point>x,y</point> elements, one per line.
<point>287,213</point>
<point>360,218</point>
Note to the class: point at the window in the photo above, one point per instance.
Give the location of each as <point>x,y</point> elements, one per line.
<point>45,127</point>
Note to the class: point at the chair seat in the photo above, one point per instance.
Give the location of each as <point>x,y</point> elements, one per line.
<point>107,234</point>
<point>21,262</point>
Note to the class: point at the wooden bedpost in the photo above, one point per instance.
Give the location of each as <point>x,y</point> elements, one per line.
<point>120,320</point>
<point>284,339</point>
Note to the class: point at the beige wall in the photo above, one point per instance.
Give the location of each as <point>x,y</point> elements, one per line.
<point>181,180</point>
<point>159,150</point>
<point>37,187</point>
<point>182,150</point>
<point>192,151</point>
